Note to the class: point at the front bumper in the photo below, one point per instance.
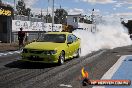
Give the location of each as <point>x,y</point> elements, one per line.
<point>29,57</point>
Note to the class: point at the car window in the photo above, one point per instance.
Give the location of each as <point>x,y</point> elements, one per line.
<point>57,38</point>
<point>74,38</point>
<point>69,39</point>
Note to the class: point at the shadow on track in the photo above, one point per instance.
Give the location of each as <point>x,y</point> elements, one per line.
<point>29,65</point>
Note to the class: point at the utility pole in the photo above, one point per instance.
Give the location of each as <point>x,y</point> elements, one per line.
<point>12,19</point>
<point>93,22</point>
<point>52,15</point>
<point>14,4</point>
<point>92,18</point>
<point>47,17</point>
<point>41,14</point>
<point>0,2</point>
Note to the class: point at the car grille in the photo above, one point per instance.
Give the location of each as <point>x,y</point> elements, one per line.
<point>46,52</point>
<point>35,58</point>
<point>36,51</point>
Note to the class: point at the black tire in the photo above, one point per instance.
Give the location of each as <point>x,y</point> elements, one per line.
<point>78,53</point>
<point>61,58</point>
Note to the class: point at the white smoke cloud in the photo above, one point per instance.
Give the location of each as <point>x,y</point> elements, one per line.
<point>110,35</point>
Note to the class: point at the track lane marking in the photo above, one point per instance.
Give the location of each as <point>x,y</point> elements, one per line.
<point>65,85</point>
<point>112,70</point>
<point>10,53</point>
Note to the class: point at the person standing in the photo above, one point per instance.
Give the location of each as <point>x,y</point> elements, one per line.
<point>21,36</point>
<point>26,37</point>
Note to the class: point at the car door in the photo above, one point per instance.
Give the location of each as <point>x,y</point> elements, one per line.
<point>70,46</point>
<point>75,44</point>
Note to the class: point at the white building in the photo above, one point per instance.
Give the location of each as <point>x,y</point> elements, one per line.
<point>78,22</point>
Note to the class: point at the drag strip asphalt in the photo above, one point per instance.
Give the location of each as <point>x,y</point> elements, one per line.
<point>17,74</point>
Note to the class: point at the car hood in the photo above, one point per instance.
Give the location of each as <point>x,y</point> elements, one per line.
<point>44,45</point>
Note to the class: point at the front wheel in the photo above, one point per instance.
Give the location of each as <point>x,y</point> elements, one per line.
<point>61,58</point>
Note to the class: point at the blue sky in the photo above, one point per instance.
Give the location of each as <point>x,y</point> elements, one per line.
<point>103,7</point>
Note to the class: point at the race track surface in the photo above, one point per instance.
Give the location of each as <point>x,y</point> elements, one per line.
<point>17,74</point>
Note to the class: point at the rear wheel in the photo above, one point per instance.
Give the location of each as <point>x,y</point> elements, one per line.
<point>61,58</point>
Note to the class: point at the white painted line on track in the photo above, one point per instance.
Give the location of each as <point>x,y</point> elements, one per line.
<point>10,53</point>
<point>1,53</point>
<point>112,70</point>
<point>64,85</point>
<point>17,51</point>
<point>5,54</point>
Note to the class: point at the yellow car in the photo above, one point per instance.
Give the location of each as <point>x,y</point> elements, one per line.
<point>52,47</point>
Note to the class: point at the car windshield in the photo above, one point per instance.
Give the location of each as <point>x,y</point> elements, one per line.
<point>57,38</point>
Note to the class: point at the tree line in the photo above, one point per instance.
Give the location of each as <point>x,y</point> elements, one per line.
<point>60,14</point>
<point>59,17</point>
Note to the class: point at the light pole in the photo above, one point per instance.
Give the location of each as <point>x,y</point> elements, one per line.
<point>47,12</point>
<point>10,24</point>
<point>92,16</point>
<point>14,5</point>
<point>52,15</point>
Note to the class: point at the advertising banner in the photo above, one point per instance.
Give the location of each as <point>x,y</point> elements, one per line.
<point>5,11</point>
<point>34,26</point>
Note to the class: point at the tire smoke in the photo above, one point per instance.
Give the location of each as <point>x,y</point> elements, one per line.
<point>110,34</point>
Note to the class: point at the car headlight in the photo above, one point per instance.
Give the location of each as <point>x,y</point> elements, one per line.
<point>24,51</point>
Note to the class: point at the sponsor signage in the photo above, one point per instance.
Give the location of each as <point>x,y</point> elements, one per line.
<point>5,12</point>
<point>110,82</point>
<point>106,82</point>
<point>34,26</point>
